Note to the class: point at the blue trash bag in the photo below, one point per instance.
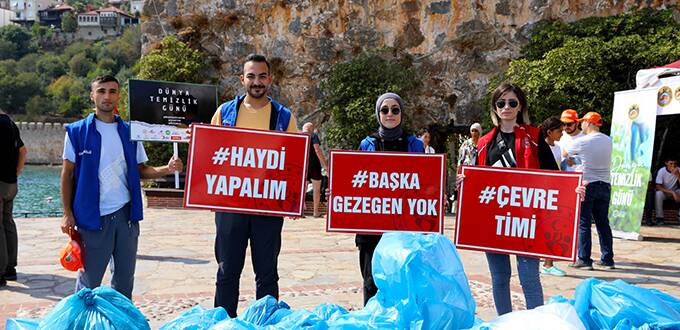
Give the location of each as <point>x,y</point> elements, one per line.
<point>234,324</point>
<point>421,275</point>
<point>301,319</point>
<point>261,311</point>
<point>102,309</point>
<point>329,312</point>
<point>22,324</point>
<point>197,318</point>
<point>421,285</point>
<point>619,305</point>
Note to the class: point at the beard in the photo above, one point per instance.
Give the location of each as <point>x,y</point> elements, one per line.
<point>106,108</point>
<point>252,92</point>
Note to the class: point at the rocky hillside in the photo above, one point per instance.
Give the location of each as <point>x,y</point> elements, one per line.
<point>456,46</point>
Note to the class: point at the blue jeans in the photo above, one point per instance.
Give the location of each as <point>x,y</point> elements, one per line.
<point>529,278</point>
<point>596,206</point>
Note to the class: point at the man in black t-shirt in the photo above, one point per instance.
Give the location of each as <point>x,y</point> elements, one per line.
<point>12,155</point>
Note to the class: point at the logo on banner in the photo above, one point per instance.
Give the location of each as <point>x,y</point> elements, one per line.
<point>375,192</point>
<point>665,96</point>
<point>677,94</point>
<point>525,212</point>
<point>259,172</point>
<point>634,112</point>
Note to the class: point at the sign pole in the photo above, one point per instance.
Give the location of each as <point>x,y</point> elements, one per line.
<point>175,155</point>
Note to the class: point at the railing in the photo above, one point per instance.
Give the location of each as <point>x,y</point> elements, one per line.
<point>53,214</point>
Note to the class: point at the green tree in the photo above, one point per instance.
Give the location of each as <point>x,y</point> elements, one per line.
<point>38,106</point>
<point>19,37</point>
<point>69,24</point>
<point>172,61</point>
<point>581,64</point>
<point>50,66</point>
<point>350,94</point>
<point>80,65</point>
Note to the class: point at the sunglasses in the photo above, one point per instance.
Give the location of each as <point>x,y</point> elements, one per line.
<point>569,124</point>
<point>500,104</point>
<point>386,110</point>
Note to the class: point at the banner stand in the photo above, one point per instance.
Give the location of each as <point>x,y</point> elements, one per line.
<point>175,155</point>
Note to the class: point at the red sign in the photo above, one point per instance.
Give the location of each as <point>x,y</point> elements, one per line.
<point>246,171</point>
<point>519,211</point>
<point>376,192</point>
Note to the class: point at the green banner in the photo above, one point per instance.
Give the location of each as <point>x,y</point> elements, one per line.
<point>633,125</point>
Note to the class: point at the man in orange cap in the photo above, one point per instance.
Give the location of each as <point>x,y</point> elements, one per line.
<point>595,150</point>
<point>570,120</point>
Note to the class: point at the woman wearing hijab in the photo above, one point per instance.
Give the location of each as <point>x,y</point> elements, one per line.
<point>389,109</point>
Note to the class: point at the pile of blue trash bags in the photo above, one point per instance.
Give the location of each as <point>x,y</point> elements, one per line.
<point>421,285</point>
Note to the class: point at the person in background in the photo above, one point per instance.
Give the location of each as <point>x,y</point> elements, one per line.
<point>425,137</point>
<point>572,127</point>
<point>666,187</point>
<point>552,132</point>
<point>467,154</point>
<point>317,160</point>
<point>595,151</point>
<point>14,155</point>
<point>389,109</point>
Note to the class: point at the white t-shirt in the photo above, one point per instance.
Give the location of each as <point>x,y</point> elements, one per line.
<point>595,151</point>
<point>429,150</point>
<point>557,153</point>
<point>565,142</point>
<point>666,179</point>
<point>113,186</point>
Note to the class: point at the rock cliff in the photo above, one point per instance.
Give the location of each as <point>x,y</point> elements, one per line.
<point>456,46</point>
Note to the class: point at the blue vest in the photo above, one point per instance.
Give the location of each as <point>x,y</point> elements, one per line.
<point>414,144</point>
<point>87,144</point>
<point>279,119</point>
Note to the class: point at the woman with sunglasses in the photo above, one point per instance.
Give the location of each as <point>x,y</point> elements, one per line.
<point>513,142</point>
<point>390,137</point>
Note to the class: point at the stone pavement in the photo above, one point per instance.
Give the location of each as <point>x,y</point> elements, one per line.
<point>176,267</point>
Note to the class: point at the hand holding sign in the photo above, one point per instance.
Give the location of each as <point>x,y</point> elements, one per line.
<point>525,212</point>
<point>376,192</point>
<point>247,171</point>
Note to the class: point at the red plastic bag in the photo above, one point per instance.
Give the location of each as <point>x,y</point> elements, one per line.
<point>70,256</point>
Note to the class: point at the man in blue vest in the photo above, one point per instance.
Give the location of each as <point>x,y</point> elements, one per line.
<point>252,110</point>
<point>100,189</point>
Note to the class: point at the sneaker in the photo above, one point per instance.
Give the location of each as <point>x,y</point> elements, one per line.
<point>659,221</point>
<point>10,274</point>
<point>605,265</point>
<point>579,264</point>
<point>554,271</point>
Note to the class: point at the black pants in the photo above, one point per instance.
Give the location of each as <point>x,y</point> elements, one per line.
<point>8,229</point>
<point>366,245</point>
<point>233,232</point>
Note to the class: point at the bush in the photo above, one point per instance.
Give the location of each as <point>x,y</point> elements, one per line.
<point>164,63</point>
<point>580,65</point>
<point>350,94</point>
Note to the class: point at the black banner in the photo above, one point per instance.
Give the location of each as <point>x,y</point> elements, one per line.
<point>161,110</point>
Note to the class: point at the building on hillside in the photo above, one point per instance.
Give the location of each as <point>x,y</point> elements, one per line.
<point>52,16</point>
<point>6,17</point>
<point>26,11</point>
<point>100,23</point>
<point>136,7</point>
